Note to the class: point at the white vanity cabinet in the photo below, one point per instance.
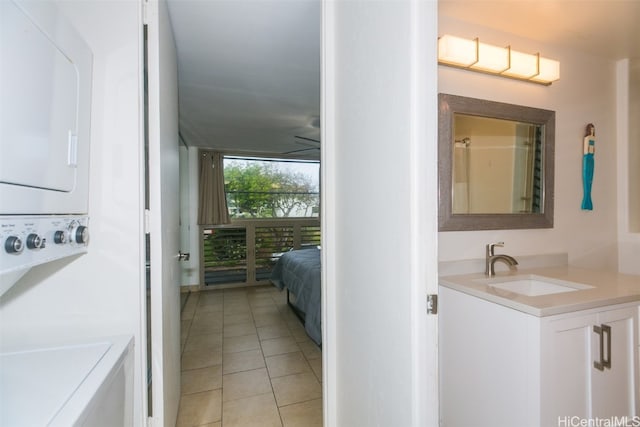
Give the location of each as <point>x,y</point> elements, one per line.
<point>589,364</point>
<point>503,367</point>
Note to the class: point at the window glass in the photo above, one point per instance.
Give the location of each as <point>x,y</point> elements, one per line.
<point>271,188</point>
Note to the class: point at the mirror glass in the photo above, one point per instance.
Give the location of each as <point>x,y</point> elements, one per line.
<point>495,165</point>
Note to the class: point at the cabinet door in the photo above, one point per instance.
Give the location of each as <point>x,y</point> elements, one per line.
<point>613,391</point>
<point>567,362</point>
<point>571,384</point>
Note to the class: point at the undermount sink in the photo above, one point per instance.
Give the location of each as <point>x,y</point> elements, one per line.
<point>533,285</point>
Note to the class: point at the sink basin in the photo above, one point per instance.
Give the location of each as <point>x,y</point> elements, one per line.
<point>533,285</point>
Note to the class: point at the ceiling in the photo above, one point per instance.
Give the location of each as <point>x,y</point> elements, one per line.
<point>249,70</point>
<point>605,28</point>
<point>249,74</point>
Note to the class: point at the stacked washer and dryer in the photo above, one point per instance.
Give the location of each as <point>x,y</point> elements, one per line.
<point>45,118</point>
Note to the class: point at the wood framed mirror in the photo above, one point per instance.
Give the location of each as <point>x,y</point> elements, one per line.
<point>495,165</point>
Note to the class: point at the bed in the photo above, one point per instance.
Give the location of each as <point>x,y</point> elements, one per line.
<point>299,273</point>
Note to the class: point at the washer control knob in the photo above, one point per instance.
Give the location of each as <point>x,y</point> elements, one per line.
<point>13,245</point>
<point>34,241</point>
<point>81,235</point>
<point>60,237</point>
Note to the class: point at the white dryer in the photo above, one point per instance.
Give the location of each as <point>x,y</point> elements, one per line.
<point>45,117</point>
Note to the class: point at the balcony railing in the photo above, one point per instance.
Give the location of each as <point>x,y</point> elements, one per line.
<point>246,251</point>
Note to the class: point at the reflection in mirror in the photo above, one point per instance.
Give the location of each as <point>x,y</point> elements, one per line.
<point>500,169</point>
<point>495,165</point>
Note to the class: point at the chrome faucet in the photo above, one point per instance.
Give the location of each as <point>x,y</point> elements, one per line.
<point>491,259</point>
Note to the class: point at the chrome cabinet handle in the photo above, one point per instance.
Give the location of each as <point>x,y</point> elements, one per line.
<point>604,362</point>
<point>606,329</point>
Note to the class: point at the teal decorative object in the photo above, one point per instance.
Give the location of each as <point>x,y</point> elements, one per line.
<point>588,161</point>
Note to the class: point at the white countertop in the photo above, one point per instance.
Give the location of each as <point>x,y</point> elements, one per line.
<point>607,288</point>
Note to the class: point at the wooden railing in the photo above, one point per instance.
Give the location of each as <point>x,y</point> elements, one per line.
<point>244,252</point>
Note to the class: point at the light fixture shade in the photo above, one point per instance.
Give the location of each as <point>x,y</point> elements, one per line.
<point>473,55</point>
<point>492,58</point>
<point>522,66</point>
<point>549,71</point>
<point>457,51</point>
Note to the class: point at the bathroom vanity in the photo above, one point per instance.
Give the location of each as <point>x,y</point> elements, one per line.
<point>538,347</point>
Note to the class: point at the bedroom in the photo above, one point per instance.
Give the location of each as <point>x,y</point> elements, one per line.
<point>249,100</point>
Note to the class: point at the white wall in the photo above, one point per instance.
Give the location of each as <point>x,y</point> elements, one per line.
<point>189,228</point>
<point>628,108</point>
<point>378,168</point>
<point>100,293</point>
<point>585,93</point>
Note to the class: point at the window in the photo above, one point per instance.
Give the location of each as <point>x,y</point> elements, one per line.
<point>271,188</point>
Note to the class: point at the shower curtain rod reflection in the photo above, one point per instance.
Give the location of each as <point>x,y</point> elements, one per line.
<point>465,141</point>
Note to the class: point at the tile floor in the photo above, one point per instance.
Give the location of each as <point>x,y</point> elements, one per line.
<point>247,361</point>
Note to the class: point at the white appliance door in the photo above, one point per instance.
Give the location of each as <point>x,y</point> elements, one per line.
<point>164,206</point>
<point>38,105</point>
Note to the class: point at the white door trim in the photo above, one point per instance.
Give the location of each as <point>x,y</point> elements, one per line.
<point>423,205</point>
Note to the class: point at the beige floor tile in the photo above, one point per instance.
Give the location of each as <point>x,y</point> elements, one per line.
<point>203,379</point>
<point>208,317</point>
<point>241,343</point>
<point>273,331</point>
<point>219,357</point>
<point>270,309</point>
<point>287,364</point>
<point>267,319</point>
<point>288,315</point>
<point>296,388</point>
<point>200,408</point>
<point>280,296</point>
<point>242,361</point>
<point>266,288</point>
<point>262,320</point>
<point>201,358</point>
<point>210,299</point>
<point>255,411</point>
<point>316,367</point>
<point>280,345</point>
<point>201,327</point>
<point>305,414</point>
<point>245,384</point>
<point>187,314</point>
<point>233,295</point>
<point>215,307</point>
<point>311,350</point>
<point>192,300</point>
<point>204,341</point>
<point>296,326</point>
<point>261,301</point>
<point>239,329</point>
<point>235,300</point>
<point>184,329</point>
<point>236,308</point>
<point>238,318</point>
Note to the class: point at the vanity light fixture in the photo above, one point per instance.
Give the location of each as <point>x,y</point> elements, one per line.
<point>503,61</point>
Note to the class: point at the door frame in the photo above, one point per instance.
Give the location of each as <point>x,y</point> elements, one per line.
<point>422,20</point>
<point>163,214</point>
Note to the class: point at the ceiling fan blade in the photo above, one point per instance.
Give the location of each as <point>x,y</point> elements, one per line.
<point>307,139</point>
<point>301,150</point>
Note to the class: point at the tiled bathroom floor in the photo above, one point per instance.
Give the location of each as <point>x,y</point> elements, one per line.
<point>247,361</point>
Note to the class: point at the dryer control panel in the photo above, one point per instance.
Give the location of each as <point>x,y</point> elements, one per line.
<point>29,241</point>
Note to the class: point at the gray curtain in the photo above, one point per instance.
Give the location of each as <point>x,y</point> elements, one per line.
<point>212,209</point>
